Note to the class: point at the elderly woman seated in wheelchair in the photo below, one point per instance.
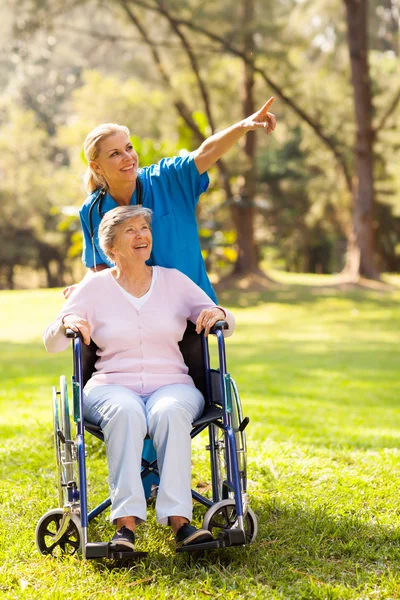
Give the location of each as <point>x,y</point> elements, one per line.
<point>136,315</point>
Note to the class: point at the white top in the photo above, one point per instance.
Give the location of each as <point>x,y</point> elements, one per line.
<point>139,302</point>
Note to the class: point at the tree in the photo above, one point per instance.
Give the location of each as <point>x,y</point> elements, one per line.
<point>242,207</point>
<point>361,253</point>
<point>29,223</point>
<point>202,52</point>
<point>359,182</point>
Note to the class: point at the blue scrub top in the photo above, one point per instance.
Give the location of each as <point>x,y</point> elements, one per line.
<point>171,189</point>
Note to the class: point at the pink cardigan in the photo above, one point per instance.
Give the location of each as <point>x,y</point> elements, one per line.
<point>137,349</point>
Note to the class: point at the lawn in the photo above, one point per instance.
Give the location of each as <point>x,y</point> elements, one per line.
<point>318,370</point>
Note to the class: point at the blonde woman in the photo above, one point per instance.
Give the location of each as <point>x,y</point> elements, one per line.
<point>171,189</point>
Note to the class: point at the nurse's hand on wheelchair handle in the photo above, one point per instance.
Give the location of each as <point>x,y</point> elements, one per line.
<point>69,290</point>
<point>207,318</point>
<point>77,324</point>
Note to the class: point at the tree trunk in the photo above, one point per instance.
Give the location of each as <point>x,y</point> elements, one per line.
<point>360,259</point>
<point>243,211</point>
<point>247,259</point>
<point>50,281</point>
<point>10,277</point>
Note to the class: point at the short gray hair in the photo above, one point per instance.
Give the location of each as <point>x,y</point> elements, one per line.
<point>113,219</point>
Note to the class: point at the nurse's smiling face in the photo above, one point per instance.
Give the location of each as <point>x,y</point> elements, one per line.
<point>133,240</point>
<point>117,161</point>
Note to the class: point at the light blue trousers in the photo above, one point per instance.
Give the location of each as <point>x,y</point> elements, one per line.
<point>125,419</point>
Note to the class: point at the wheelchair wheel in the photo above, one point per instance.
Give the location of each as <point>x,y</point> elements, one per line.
<point>219,462</point>
<point>66,422</point>
<point>46,531</point>
<point>219,445</point>
<point>66,430</point>
<point>62,440</point>
<point>223,516</point>
<point>57,443</point>
<point>240,436</point>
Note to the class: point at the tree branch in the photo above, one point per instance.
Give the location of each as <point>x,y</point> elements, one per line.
<point>182,109</point>
<point>180,106</point>
<point>329,141</point>
<point>102,35</point>
<point>389,111</point>
<point>192,59</point>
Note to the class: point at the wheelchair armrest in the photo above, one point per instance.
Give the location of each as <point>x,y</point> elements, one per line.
<point>73,334</point>
<point>219,325</point>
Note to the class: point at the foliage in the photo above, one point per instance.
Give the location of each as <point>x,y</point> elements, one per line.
<point>29,197</point>
<point>69,66</point>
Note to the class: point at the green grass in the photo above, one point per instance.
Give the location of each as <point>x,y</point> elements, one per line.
<point>318,370</point>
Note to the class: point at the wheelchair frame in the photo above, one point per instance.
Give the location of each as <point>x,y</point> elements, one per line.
<point>228,512</point>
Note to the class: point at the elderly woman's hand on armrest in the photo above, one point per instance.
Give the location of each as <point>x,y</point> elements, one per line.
<point>77,324</point>
<point>208,317</point>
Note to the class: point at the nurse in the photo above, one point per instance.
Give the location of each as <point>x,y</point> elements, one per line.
<point>171,189</point>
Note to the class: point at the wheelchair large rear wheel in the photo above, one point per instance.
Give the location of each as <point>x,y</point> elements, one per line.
<point>223,516</point>
<point>222,491</point>
<point>220,450</point>
<point>47,529</point>
<point>62,439</point>
<point>65,418</point>
<point>66,430</point>
<point>240,436</point>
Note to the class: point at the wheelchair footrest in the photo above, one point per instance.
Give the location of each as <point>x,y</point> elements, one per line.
<point>104,550</point>
<point>233,537</point>
<point>229,537</point>
<point>200,547</point>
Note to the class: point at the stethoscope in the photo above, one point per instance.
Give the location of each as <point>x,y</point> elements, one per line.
<point>98,201</point>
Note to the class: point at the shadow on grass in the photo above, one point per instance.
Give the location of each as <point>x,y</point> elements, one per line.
<point>302,294</point>
<point>297,545</point>
<point>299,553</point>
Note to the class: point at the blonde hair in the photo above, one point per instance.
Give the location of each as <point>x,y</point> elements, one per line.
<point>91,149</point>
<point>113,219</point>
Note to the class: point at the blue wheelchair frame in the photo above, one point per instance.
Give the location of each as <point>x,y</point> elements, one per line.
<point>237,524</point>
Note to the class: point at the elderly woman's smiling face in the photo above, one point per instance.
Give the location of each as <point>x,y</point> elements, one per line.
<point>133,240</point>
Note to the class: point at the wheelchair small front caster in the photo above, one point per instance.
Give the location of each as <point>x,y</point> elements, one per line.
<point>222,516</point>
<point>48,540</point>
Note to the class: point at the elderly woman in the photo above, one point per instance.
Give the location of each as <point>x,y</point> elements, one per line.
<point>137,314</point>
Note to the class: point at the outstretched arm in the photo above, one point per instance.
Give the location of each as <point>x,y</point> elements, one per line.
<point>215,146</point>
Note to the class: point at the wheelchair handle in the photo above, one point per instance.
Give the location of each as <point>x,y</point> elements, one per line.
<point>73,334</point>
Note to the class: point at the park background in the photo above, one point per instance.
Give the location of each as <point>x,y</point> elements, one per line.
<point>300,232</point>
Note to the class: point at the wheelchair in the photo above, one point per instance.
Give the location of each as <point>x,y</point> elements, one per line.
<point>64,530</point>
